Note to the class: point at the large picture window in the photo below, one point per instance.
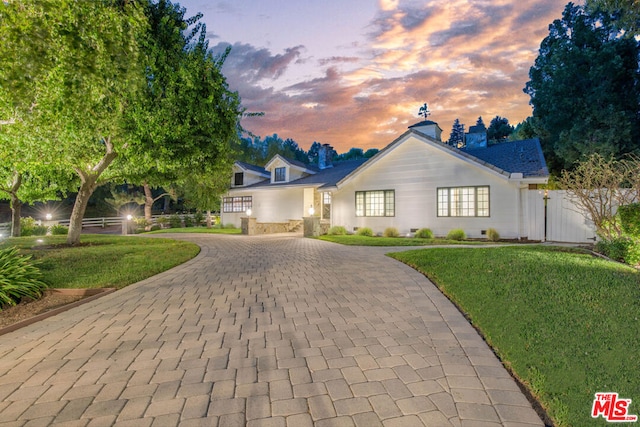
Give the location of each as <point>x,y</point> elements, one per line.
<point>463,201</point>
<point>375,203</point>
<point>236,204</point>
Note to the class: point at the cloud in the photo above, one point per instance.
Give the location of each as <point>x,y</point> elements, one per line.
<point>466,58</point>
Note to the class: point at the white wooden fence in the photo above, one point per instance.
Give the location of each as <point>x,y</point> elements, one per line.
<point>564,220</point>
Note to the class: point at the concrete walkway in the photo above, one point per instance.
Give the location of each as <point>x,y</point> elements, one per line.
<point>261,331</point>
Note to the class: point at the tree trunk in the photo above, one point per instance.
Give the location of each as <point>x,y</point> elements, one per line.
<point>16,205</point>
<point>148,205</point>
<point>87,187</point>
<point>209,225</point>
<point>88,184</point>
<point>16,210</point>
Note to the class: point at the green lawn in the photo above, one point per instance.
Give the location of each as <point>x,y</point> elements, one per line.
<point>355,240</point>
<point>564,321</point>
<point>197,230</point>
<point>102,261</point>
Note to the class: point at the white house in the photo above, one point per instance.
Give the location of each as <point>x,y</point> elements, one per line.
<point>415,182</point>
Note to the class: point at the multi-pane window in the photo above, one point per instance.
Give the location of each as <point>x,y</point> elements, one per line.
<point>375,203</point>
<point>238,178</point>
<point>326,205</point>
<point>236,204</point>
<point>463,201</point>
<point>280,175</point>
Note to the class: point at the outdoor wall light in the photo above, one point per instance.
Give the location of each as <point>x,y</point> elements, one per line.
<point>311,210</point>
<point>248,212</point>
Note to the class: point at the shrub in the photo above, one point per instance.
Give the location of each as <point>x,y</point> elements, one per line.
<point>337,230</point>
<point>365,231</point>
<point>19,278</point>
<point>391,232</point>
<point>456,234</point>
<point>630,219</point>
<point>622,249</point>
<point>162,221</point>
<point>29,227</point>
<point>58,229</point>
<point>424,233</point>
<point>188,221</point>
<point>198,219</point>
<point>493,235</point>
<point>175,221</point>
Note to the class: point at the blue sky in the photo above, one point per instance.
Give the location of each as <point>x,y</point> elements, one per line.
<point>353,73</point>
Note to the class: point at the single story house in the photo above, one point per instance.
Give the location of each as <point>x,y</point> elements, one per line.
<point>416,181</point>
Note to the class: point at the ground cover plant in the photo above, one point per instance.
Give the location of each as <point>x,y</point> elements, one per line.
<point>356,240</point>
<point>101,261</point>
<point>19,278</point>
<point>565,322</point>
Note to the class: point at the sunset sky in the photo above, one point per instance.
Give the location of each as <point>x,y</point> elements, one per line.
<point>354,73</point>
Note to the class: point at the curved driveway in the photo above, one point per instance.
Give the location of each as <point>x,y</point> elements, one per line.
<point>261,331</point>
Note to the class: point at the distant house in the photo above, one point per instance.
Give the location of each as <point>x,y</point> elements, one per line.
<point>416,181</point>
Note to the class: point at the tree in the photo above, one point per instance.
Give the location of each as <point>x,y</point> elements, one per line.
<point>625,13</point>
<point>371,152</point>
<point>524,130</point>
<point>83,59</point>
<point>456,137</point>
<point>599,185</point>
<point>585,90</point>
<point>499,129</point>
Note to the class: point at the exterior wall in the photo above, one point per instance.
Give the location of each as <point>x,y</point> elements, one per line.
<point>269,205</point>
<point>415,169</point>
<point>291,174</point>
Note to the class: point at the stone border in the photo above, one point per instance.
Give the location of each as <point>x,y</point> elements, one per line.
<point>90,294</point>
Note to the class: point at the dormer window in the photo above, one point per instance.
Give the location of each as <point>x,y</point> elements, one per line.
<point>238,179</point>
<point>279,174</point>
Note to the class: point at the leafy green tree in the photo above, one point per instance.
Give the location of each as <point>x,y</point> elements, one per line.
<point>625,13</point>
<point>371,152</point>
<point>524,130</point>
<point>456,137</point>
<point>499,129</point>
<point>84,70</point>
<point>585,90</point>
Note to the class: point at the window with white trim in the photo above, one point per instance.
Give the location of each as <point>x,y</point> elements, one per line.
<point>463,201</point>
<point>280,174</point>
<point>375,203</point>
<point>236,204</point>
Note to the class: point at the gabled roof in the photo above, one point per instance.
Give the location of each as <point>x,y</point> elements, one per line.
<point>252,168</point>
<point>321,179</point>
<point>515,157</point>
<point>295,163</point>
<point>523,156</point>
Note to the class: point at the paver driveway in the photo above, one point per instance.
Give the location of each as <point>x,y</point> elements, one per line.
<point>261,331</point>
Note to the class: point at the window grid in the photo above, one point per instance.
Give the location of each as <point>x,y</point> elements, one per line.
<point>280,174</point>
<point>463,201</point>
<point>237,204</point>
<point>375,203</point>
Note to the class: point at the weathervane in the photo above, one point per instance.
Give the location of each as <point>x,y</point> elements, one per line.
<point>424,111</point>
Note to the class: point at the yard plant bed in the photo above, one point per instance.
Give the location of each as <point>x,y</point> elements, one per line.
<point>355,240</point>
<point>563,321</point>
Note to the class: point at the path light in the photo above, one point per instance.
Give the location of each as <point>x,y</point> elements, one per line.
<point>249,212</point>
<point>311,210</point>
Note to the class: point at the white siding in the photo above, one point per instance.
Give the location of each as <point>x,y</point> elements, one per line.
<point>414,170</point>
<point>269,205</point>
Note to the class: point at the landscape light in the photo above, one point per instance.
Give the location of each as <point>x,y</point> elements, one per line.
<point>48,217</point>
<point>129,217</point>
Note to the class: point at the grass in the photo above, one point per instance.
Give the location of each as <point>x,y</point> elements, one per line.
<point>197,230</point>
<point>102,261</point>
<point>355,240</point>
<point>565,322</point>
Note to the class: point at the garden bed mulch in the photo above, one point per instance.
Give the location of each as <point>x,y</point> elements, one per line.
<point>53,302</point>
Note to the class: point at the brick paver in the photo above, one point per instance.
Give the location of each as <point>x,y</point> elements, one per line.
<point>268,330</point>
